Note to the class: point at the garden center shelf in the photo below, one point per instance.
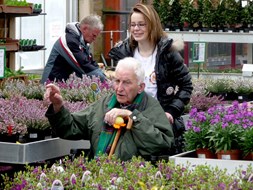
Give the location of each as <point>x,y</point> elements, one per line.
<point>215,37</point>
<point>37,151</point>
<point>8,15</point>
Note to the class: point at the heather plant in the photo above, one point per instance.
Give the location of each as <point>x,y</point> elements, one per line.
<point>30,89</point>
<point>220,86</point>
<point>74,89</point>
<point>199,86</point>
<point>80,89</point>
<point>102,173</point>
<point>243,87</point>
<point>200,98</point>
<point>203,102</point>
<point>14,113</point>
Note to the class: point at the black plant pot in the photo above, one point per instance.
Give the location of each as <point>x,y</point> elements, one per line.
<point>9,138</point>
<point>244,98</point>
<point>35,135</point>
<point>231,96</point>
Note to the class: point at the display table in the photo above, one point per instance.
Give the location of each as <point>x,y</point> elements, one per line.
<point>13,153</point>
<point>189,159</point>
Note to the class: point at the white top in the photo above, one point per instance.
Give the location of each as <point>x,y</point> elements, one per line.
<point>148,64</point>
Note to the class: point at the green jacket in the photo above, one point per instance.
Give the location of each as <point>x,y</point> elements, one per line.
<point>150,134</point>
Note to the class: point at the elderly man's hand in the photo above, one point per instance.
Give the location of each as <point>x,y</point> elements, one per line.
<point>53,95</point>
<point>110,116</point>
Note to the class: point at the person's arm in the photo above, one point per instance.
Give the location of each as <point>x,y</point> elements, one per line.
<point>65,124</point>
<point>183,80</point>
<point>82,55</point>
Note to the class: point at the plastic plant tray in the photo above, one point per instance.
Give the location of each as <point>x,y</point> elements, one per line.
<point>14,153</point>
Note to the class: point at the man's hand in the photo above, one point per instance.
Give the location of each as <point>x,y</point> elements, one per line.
<point>170,118</point>
<point>53,95</point>
<point>110,116</point>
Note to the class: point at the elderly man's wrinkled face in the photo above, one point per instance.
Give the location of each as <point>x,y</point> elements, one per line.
<point>126,85</point>
<point>89,34</point>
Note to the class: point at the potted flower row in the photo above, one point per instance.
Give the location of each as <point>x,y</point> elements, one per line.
<point>221,130</point>
<point>103,173</point>
<point>17,123</point>
<point>216,15</point>
<point>231,89</point>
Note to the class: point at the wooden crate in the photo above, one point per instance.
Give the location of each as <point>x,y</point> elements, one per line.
<point>11,44</point>
<point>16,9</point>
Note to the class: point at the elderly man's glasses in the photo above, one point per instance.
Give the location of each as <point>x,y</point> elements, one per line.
<point>139,25</point>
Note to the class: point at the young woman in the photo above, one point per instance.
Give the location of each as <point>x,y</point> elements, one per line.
<point>166,76</point>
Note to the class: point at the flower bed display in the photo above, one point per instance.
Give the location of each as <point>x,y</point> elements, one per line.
<point>102,173</point>
<point>16,96</point>
<point>221,128</point>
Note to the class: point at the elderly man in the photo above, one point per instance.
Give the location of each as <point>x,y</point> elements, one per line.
<point>71,52</point>
<point>151,132</point>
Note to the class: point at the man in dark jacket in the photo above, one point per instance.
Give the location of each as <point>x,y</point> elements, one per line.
<point>71,52</point>
<point>151,132</point>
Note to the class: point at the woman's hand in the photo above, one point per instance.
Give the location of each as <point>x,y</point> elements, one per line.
<point>170,118</point>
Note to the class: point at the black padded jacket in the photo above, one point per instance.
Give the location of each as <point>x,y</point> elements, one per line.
<point>174,84</point>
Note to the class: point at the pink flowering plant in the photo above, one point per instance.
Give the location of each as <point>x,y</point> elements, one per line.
<point>21,113</point>
<point>18,114</point>
<point>30,89</point>
<point>229,123</point>
<point>220,128</point>
<point>88,89</point>
<point>197,131</point>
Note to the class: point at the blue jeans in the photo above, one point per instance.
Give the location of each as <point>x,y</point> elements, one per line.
<point>98,73</point>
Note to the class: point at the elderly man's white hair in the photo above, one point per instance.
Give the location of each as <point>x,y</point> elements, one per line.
<point>133,64</point>
<point>94,21</point>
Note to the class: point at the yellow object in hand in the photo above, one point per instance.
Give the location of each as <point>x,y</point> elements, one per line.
<point>119,122</point>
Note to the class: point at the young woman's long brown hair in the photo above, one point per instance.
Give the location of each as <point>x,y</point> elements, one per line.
<point>153,23</point>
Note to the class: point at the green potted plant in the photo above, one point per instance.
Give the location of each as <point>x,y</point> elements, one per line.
<point>219,87</point>
<point>232,12</point>
<point>219,15</point>
<point>246,143</point>
<point>228,124</point>
<point>167,9</point>
<point>247,17</point>
<point>219,129</point>
<point>244,89</point>
<point>207,15</point>
<point>197,134</point>
<point>189,15</point>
